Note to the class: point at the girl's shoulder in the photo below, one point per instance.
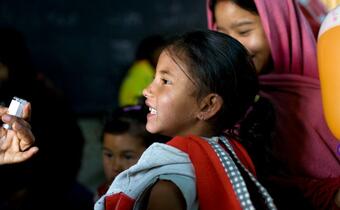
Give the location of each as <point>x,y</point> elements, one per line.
<point>165,195</point>
<point>172,191</point>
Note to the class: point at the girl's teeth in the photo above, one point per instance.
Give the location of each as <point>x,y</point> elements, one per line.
<point>152,110</point>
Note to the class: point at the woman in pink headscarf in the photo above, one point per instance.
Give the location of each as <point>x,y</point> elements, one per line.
<point>282,45</point>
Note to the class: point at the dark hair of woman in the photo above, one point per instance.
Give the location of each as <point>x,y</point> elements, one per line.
<point>248,5</point>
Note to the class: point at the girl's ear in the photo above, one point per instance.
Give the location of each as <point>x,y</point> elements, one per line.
<point>209,106</point>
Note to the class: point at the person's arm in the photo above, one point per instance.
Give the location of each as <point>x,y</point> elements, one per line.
<point>165,195</point>
<point>16,144</point>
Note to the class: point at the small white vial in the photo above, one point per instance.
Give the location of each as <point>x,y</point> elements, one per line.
<point>15,108</point>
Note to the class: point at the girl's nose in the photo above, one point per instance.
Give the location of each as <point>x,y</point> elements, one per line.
<point>147,92</point>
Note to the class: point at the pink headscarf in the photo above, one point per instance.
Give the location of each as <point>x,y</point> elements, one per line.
<point>303,140</point>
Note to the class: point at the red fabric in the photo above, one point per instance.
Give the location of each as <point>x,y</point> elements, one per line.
<point>118,201</point>
<point>213,186</point>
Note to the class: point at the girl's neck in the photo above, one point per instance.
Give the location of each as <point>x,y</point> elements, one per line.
<point>202,132</point>
<point>201,128</point>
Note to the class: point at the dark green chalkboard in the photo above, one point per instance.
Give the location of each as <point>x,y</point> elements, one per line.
<point>84,46</point>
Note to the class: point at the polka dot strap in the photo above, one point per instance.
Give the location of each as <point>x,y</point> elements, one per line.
<point>235,176</point>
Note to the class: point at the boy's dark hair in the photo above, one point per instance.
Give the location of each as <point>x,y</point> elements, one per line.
<point>131,120</point>
<point>218,63</point>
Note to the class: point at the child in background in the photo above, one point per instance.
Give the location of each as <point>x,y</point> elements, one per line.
<point>124,140</point>
<point>205,82</point>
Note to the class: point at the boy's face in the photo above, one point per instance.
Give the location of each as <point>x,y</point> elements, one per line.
<point>119,153</point>
<point>172,99</point>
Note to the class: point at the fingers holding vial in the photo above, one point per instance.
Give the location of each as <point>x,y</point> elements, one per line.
<point>16,136</point>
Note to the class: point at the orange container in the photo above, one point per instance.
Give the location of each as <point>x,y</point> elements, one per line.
<point>329,69</point>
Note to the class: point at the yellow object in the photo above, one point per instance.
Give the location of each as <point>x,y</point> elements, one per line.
<point>331,4</point>
<point>329,69</point>
<point>139,76</point>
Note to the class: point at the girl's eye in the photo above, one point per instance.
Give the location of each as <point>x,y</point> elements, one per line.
<point>166,82</point>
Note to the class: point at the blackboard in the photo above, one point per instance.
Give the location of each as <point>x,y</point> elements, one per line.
<point>85,46</point>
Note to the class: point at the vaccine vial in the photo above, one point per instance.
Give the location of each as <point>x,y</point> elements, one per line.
<point>15,108</point>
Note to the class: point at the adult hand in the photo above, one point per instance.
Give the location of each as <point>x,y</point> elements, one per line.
<point>16,144</point>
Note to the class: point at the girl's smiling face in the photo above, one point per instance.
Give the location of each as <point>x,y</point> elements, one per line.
<point>171,98</point>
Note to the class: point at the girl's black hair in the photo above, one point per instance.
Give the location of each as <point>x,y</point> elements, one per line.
<point>218,63</point>
<point>256,132</point>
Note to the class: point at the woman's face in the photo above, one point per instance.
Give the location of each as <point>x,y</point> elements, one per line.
<point>246,27</point>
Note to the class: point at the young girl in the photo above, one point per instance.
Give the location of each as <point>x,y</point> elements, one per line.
<point>204,83</point>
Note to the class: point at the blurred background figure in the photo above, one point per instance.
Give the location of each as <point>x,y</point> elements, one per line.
<point>124,140</point>
<point>141,73</point>
<point>47,180</point>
